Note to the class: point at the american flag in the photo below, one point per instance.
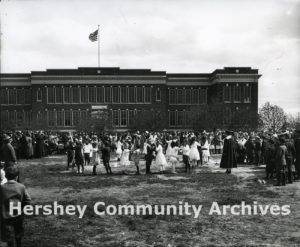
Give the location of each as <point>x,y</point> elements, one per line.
<point>93,36</point>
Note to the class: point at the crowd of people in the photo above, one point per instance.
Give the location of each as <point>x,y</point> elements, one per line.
<point>165,150</point>
<point>279,152</point>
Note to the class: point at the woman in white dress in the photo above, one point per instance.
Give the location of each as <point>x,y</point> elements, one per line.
<point>173,158</point>
<point>194,153</point>
<point>160,159</point>
<point>169,148</point>
<point>124,161</point>
<point>119,149</point>
<point>205,150</point>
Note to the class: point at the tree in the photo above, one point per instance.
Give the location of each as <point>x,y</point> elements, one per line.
<point>293,121</point>
<point>272,117</point>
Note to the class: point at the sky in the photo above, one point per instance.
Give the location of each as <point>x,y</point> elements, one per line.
<point>190,36</point>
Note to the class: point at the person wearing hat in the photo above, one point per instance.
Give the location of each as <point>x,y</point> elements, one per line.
<point>281,164</point>
<point>8,154</point>
<point>229,160</point>
<point>257,150</point>
<point>149,156</point>
<point>291,153</point>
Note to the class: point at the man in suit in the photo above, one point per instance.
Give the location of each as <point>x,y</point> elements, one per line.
<point>106,157</point>
<point>12,229</point>
<point>297,149</point>
<point>149,155</point>
<point>8,154</point>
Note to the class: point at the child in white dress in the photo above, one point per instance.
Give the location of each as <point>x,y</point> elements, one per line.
<point>194,153</point>
<point>119,149</point>
<point>160,159</point>
<point>174,156</point>
<point>124,161</point>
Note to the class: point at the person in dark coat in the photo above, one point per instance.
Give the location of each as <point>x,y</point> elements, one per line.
<point>29,146</point>
<point>106,156</point>
<point>297,149</point>
<point>281,164</point>
<point>149,156</point>
<point>257,150</point>
<point>70,154</point>
<point>12,225</point>
<point>8,154</point>
<point>229,160</point>
<point>291,153</point>
<point>269,154</point>
<point>249,145</point>
<point>79,161</point>
<point>40,145</point>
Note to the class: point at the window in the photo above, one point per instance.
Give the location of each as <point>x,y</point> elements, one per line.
<point>51,118</point>
<point>68,119</point>
<point>195,96</point>
<point>139,95</point>
<point>100,93</point>
<point>116,97</point>
<point>67,94</point>
<point>123,120</point>
<point>147,91</point>
<point>59,95</point>
<point>107,95</point>
<point>76,117</point>
<point>4,118</point>
<point>39,95</point>
<point>237,93</point>
<point>131,117</point>
<point>172,118</point>
<point>180,118</point>
<point>20,118</point>
<point>131,95</point>
<point>247,94</point>
<point>203,97</point>
<point>76,94</point>
<point>84,94</point>
<point>51,95</point>
<point>172,98</point>
<point>180,96</point>
<point>158,95</point>
<point>4,96</point>
<point>20,97</point>
<point>227,116</point>
<point>226,93</point>
<point>38,116</point>
<point>27,117</point>
<point>11,117</point>
<point>12,96</point>
<point>84,115</point>
<point>92,94</point>
<point>115,117</point>
<point>59,118</point>
<point>27,96</point>
<point>123,94</point>
<point>188,96</point>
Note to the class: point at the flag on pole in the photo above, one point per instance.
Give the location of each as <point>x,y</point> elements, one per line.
<point>94,36</point>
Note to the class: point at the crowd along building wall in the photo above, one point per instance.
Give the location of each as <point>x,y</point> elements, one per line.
<point>122,99</point>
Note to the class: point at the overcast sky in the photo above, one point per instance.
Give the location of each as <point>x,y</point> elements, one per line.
<point>173,36</point>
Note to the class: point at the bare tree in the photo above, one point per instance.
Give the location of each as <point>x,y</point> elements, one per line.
<point>293,121</point>
<point>272,117</point>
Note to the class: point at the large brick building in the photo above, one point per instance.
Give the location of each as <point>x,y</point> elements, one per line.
<point>86,98</point>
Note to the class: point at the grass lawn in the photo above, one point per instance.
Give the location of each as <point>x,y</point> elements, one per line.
<point>47,181</point>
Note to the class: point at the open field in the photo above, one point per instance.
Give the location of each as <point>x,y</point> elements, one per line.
<point>47,181</point>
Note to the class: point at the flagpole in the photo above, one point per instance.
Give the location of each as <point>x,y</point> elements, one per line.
<point>98,38</point>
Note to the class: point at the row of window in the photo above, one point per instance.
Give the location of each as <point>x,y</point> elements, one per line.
<point>13,96</point>
<point>66,118</point>
<point>16,118</point>
<point>187,96</point>
<point>180,118</point>
<point>237,93</point>
<point>118,95</point>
